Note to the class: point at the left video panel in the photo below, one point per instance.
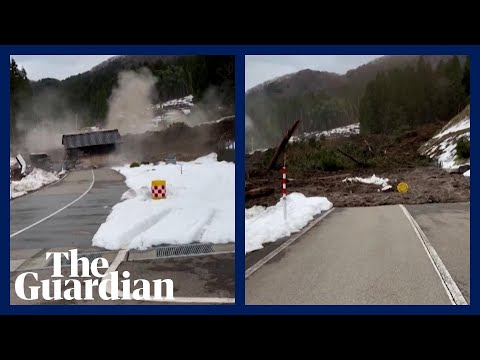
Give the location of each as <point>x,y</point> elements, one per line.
<point>122,179</point>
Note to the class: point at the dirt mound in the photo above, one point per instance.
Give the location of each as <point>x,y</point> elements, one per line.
<point>187,142</point>
<point>426,185</point>
<point>317,168</point>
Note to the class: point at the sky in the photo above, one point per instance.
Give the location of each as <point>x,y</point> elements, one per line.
<point>57,66</point>
<point>260,68</point>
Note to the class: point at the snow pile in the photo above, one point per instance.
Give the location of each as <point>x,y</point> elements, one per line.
<point>467,173</point>
<point>443,146</point>
<point>13,161</point>
<point>200,206</point>
<point>264,225</point>
<point>33,181</point>
<point>352,129</point>
<point>374,180</point>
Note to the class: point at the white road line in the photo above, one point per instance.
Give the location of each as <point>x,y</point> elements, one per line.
<point>453,292</point>
<point>15,264</point>
<point>56,212</point>
<point>121,256</point>
<point>195,300</point>
<point>279,249</point>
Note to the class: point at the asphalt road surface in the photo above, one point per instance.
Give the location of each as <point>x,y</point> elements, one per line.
<point>207,277</point>
<point>366,255</point>
<point>447,227</point>
<point>210,276</point>
<point>74,226</point>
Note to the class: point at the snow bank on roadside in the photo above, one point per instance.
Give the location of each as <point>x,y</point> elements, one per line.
<point>264,225</point>
<point>200,206</point>
<point>33,181</point>
<point>467,173</point>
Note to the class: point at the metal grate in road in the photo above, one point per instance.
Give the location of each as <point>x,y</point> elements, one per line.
<point>183,250</point>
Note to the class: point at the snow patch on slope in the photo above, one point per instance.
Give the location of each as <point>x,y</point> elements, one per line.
<point>352,129</point>
<point>442,146</point>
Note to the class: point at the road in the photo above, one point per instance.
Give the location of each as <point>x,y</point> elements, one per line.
<point>447,226</point>
<point>367,255</point>
<point>74,226</point>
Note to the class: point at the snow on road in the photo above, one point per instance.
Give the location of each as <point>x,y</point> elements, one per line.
<point>200,206</point>
<point>33,181</point>
<point>467,173</point>
<point>374,180</point>
<point>264,225</point>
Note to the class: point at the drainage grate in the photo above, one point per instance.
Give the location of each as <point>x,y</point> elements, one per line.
<point>66,262</point>
<point>184,250</point>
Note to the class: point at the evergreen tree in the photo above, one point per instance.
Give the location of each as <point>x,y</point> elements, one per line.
<point>466,76</point>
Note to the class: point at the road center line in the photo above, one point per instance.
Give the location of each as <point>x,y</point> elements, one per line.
<point>58,211</point>
<point>453,292</point>
<point>279,249</point>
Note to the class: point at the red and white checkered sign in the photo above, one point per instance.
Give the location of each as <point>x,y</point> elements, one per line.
<point>159,191</point>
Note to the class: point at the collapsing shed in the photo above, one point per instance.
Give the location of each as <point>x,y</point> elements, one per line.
<point>90,143</point>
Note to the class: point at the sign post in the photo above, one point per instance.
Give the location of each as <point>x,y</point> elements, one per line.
<point>159,189</point>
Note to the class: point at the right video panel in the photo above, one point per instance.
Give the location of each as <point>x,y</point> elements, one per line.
<point>357,179</point>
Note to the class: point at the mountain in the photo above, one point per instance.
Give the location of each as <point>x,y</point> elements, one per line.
<point>322,100</point>
<point>300,82</point>
<point>174,76</point>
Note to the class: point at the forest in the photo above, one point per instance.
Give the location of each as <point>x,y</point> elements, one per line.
<point>386,96</point>
<point>401,99</point>
<point>87,94</point>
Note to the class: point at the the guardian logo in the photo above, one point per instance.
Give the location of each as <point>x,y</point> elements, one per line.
<point>81,286</point>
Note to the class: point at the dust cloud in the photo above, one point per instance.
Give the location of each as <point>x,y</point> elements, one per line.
<point>130,104</point>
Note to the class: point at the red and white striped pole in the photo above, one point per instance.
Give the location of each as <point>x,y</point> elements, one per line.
<point>284,188</point>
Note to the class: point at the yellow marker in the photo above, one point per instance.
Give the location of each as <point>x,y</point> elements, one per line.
<point>159,189</point>
<point>402,187</point>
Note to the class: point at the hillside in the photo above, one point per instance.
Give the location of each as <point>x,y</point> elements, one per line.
<point>302,81</point>
<point>145,79</point>
<point>443,146</point>
<point>320,99</point>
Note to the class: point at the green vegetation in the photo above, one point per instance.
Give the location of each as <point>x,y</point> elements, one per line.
<point>463,149</point>
<point>387,96</point>
<point>134,164</point>
<point>20,97</point>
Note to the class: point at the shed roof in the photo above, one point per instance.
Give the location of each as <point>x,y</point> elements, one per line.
<point>103,137</point>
